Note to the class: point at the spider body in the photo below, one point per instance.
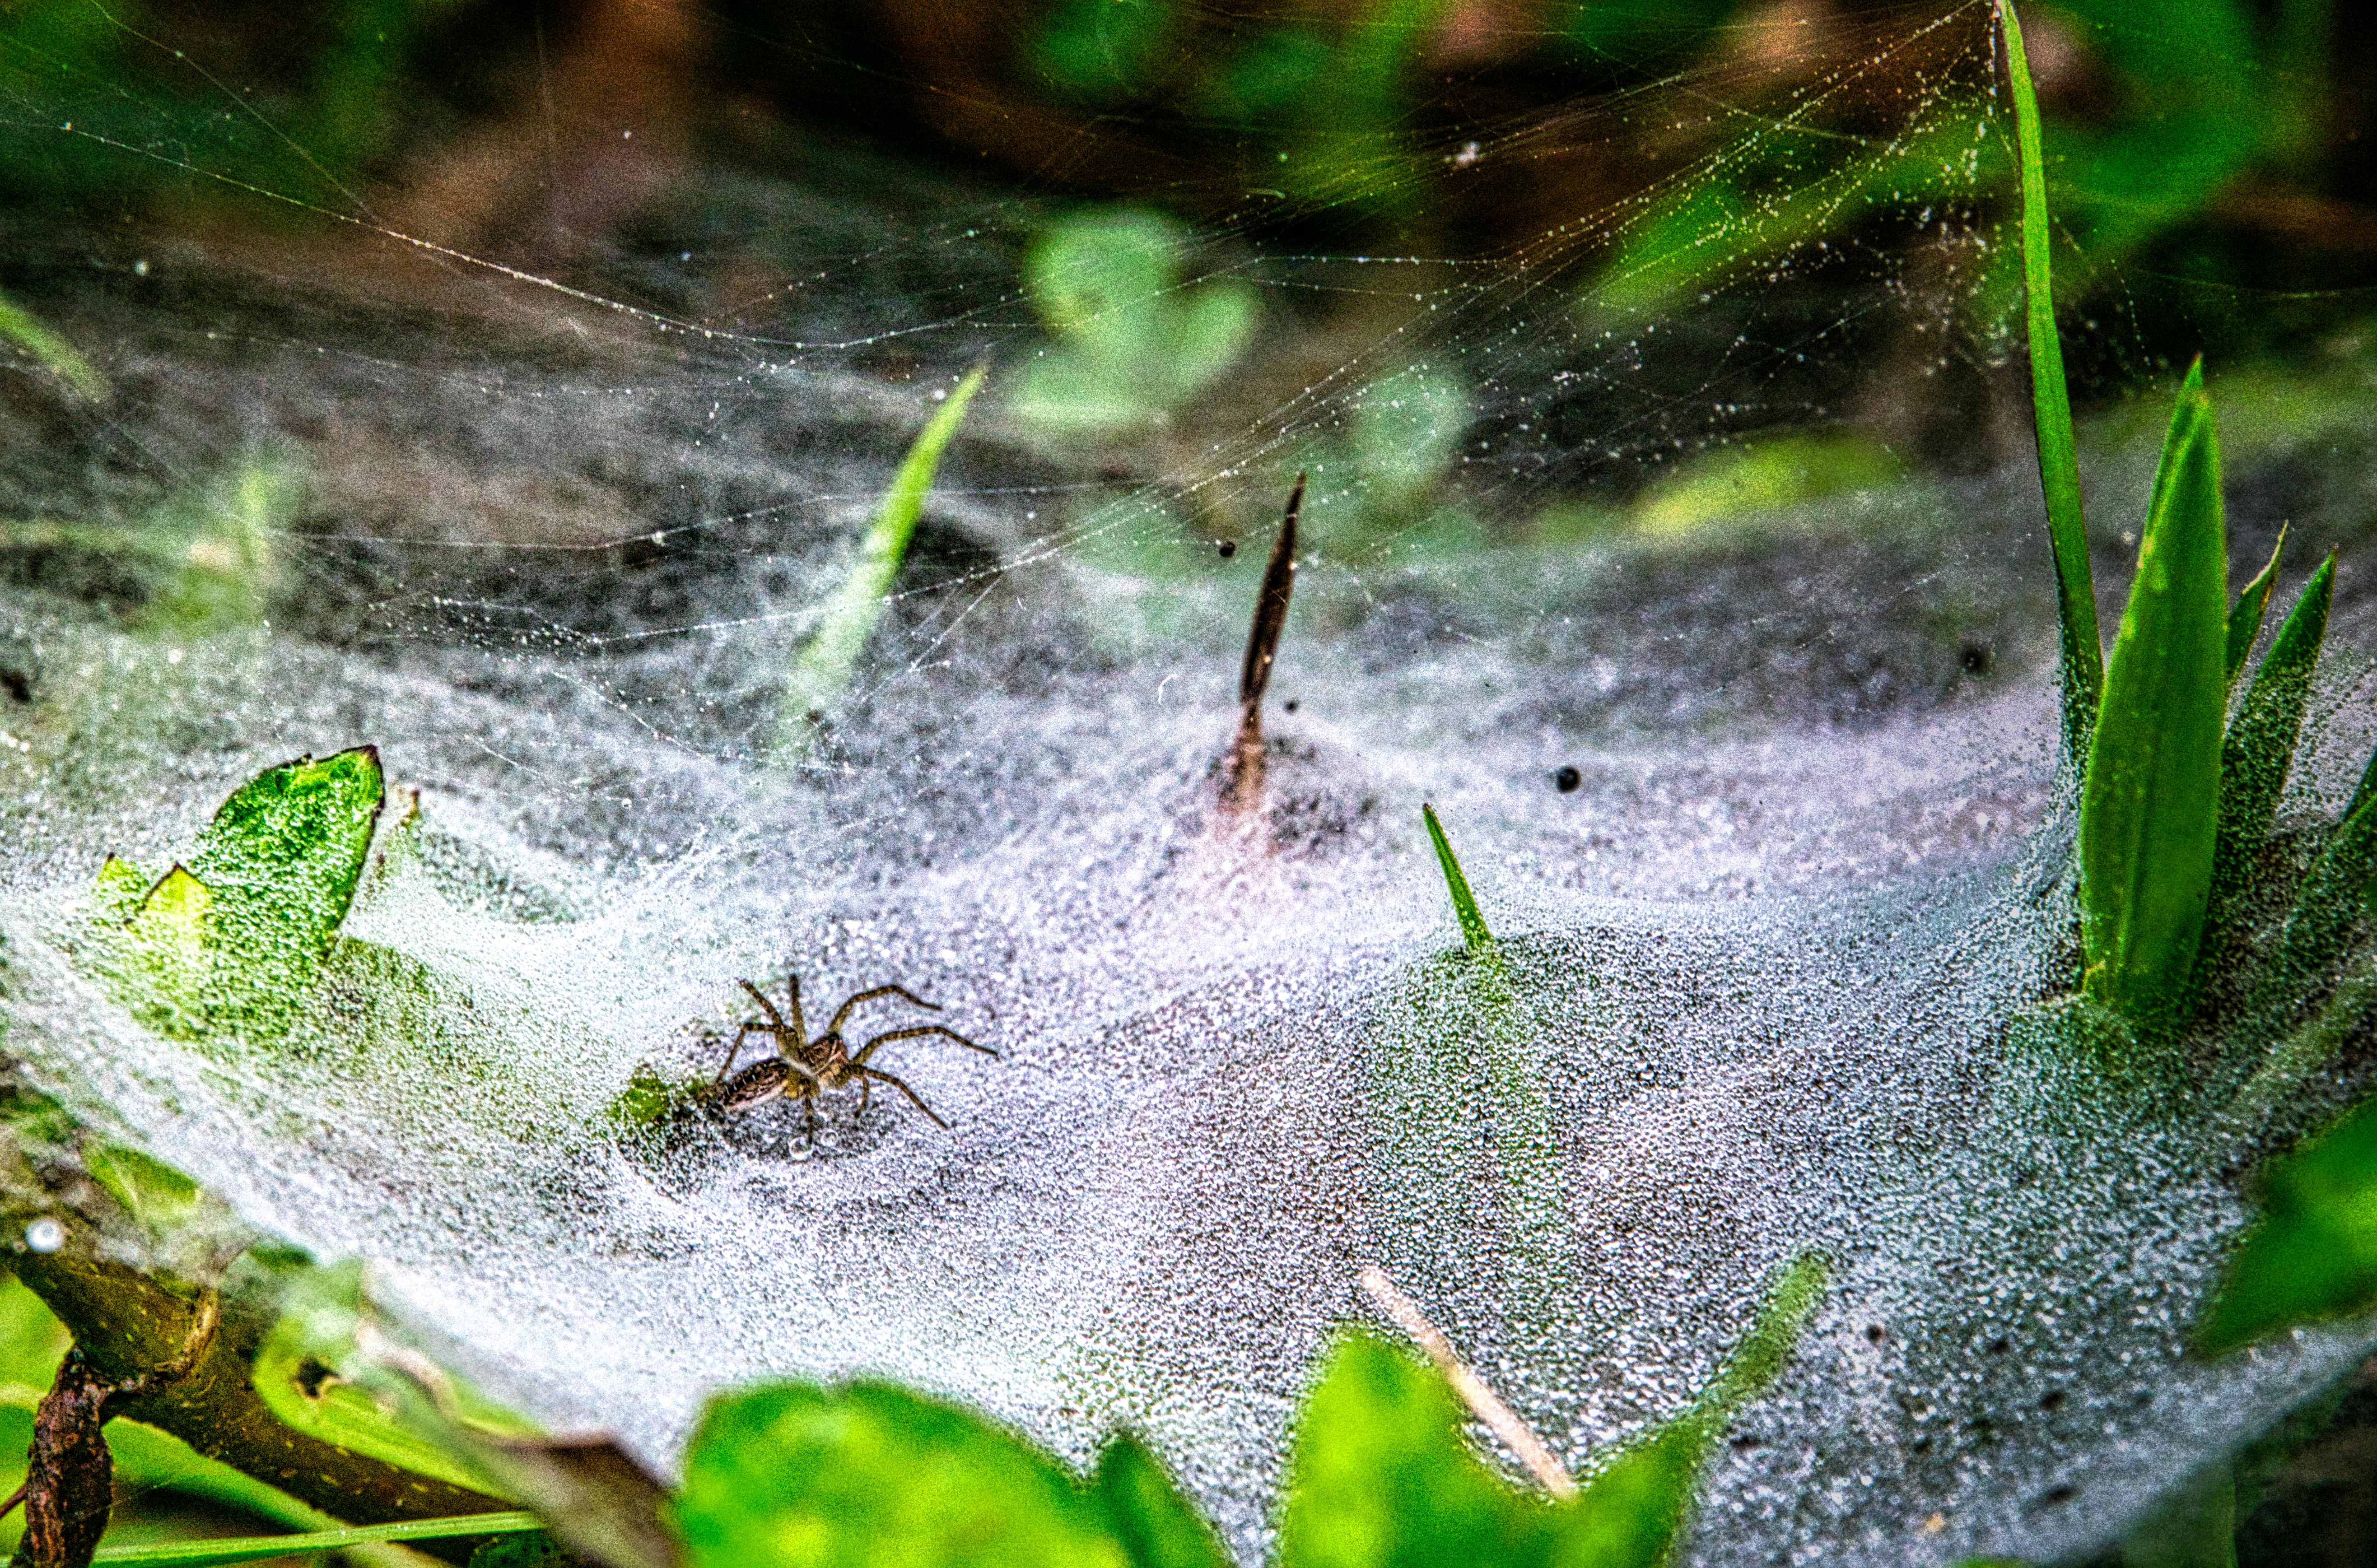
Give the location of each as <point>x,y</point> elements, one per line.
<point>803,1068</point>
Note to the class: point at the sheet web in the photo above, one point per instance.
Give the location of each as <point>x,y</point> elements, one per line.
<point>1652,494</point>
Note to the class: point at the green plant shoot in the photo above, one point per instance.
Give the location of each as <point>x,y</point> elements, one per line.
<point>2150,800</point>
<point>2059,460</point>
<point>2259,748</point>
<point>821,674</point>
<point>1465,903</point>
<point>2245,619</point>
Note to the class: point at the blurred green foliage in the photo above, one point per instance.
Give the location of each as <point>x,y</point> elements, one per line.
<point>1131,342</point>
<point>2314,1256</point>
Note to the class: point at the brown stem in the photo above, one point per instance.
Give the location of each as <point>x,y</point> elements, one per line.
<point>1244,793</point>
<point>177,1353</point>
<point>1482,1401</point>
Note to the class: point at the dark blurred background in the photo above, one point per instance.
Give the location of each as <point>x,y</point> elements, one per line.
<point>2216,140</point>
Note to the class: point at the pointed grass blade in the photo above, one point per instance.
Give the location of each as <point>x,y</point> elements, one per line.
<point>2260,749</point>
<point>250,1549</point>
<point>2149,804</point>
<point>2245,619</point>
<point>1465,903</point>
<point>2330,904</point>
<point>2059,461</point>
<point>821,672</point>
<point>52,351</point>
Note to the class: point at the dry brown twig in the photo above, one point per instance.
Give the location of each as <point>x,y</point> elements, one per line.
<point>1481,1400</point>
<point>1243,790</point>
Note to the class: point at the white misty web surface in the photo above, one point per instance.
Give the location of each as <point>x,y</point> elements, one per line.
<point>557,547</point>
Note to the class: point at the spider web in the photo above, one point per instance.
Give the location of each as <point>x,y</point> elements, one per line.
<point>1682,549</point>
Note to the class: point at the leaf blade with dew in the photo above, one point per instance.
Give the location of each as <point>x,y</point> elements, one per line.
<point>1630,1511</point>
<point>2317,930</point>
<point>1379,1473</point>
<point>2312,1256</point>
<point>2245,619</point>
<point>2150,799</point>
<point>2083,665</point>
<point>869,1472</point>
<point>1157,1526</point>
<point>1465,903</point>
<point>53,352</point>
<point>2259,750</point>
<point>821,673</point>
<point>250,1549</point>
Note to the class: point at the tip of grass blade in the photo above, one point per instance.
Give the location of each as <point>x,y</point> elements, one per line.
<point>1465,903</point>
<point>822,671</point>
<point>2245,619</point>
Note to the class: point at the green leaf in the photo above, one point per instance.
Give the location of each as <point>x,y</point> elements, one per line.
<point>2149,802</point>
<point>159,1197</point>
<point>1133,343</point>
<point>1156,1526</point>
<point>1629,1512</point>
<point>2059,460</point>
<point>821,673</point>
<point>2313,1255</point>
<point>2245,618</point>
<point>284,853</point>
<point>872,1476</point>
<point>1627,1516</point>
<point>1381,1476</point>
<point>2259,748</point>
<point>1465,903</point>
<point>234,939</point>
<point>2333,899</point>
<point>197,1553</point>
<point>168,947</point>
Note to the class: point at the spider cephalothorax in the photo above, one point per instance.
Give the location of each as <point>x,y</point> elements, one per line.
<point>803,1068</point>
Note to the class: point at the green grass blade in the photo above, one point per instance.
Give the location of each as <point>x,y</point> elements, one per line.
<point>2333,899</point>
<point>2245,619</point>
<point>2059,459</point>
<point>1465,904</point>
<point>57,356</point>
<point>821,672</point>
<point>2149,804</point>
<point>249,1549</point>
<point>2367,791</point>
<point>2260,750</point>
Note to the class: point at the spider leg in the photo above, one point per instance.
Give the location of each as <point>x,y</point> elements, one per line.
<point>904,1089</point>
<point>865,1092</point>
<point>767,1007</point>
<point>733,1051</point>
<point>919,1032</point>
<point>800,1024</point>
<point>899,990</point>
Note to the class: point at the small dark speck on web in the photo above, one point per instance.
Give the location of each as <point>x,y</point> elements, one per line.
<point>17,684</point>
<point>1980,658</point>
<point>1229,547</point>
<point>1289,705</point>
<point>2051,1400</point>
<point>1566,781</point>
<point>1873,1333</point>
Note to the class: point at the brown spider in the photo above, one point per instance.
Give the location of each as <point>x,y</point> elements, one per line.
<point>805,1068</point>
